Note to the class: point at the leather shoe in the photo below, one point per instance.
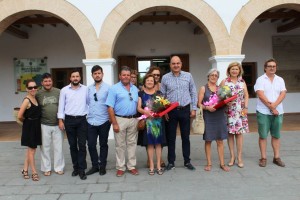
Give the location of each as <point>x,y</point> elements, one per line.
<point>189,166</point>
<point>93,170</point>
<point>119,173</point>
<point>170,167</point>
<point>102,171</point>
<point>75,173</point>
<point>277,161</point>
<point>82,175</point>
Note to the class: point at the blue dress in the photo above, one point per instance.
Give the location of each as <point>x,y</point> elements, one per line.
<point>215,122</point>
<point>154,132</point>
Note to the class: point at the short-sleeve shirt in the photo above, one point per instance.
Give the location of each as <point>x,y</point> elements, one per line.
<point>271,90</point>
<point>123,102</point>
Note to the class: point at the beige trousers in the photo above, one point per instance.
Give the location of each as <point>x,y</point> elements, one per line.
<point>126,139</point>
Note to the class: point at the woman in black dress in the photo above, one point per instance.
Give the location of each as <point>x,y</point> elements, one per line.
<point>30,114</point>
<point>215,120</point>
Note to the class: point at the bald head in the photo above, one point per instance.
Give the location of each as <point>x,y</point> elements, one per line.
<point>175,65</point>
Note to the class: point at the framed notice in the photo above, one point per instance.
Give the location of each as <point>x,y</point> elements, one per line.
<point>29,68</point>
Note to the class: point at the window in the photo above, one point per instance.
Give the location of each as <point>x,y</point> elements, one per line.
<point>250,76</point>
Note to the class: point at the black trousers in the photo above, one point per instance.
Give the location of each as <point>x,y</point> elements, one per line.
<point>76,129</point>
<point>102,132</point>
<point>181,116</point>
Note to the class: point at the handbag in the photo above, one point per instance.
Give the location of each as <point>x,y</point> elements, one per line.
<point>198,123</point>
<point>141,125</point>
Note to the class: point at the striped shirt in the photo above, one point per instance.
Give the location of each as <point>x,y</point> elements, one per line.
<point>179,88</point>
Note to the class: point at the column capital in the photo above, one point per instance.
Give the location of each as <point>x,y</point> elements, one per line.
<point>106,61</point>
<point>226,58</point>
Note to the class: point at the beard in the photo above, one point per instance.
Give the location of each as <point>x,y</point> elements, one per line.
<point>98,81</point>
<point>75,83</point>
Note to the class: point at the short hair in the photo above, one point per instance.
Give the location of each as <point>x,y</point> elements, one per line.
<point>146,77</point>
<point>269,60</point>
<point>125,68</point>
<point>46,75</point>
<point>152,68</point>
<point>211,71</point>
<point>133,71</point>
<point>96,68</point>
<point>233,64</point>
<point>74,71</point>
<point>29,81</point>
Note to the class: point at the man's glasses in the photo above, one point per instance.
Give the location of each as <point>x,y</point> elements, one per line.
<point>158,75</point>
<point>271,66</point>
<point>32,87</point>
<point>130,96</point>
<point>95,97</point>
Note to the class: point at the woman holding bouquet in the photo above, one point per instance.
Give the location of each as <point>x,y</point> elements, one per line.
<point>29,114</point>
<point>236,111</point>
<point>215,120</point>
<point>154,134</point>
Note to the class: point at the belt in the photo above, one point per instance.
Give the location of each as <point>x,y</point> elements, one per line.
<point>75,117</point>
<point>128,116</point>
<point>183,107</point>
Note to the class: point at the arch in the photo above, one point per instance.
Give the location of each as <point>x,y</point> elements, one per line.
<point>248,14</point>
<point>14,10</point>
<point>196,10</point>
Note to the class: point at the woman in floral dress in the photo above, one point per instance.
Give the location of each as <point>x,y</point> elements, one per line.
<point>236,111</point>
<point>154,133</point>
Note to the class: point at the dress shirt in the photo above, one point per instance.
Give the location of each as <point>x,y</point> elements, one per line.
<point>271,90</point>
<point>119,99</point>
<point>73,101</point>
<point>98,113</point>
<point>179,88</point>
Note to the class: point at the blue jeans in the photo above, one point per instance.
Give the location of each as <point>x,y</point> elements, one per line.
<point>93,132</point>
<point>76,129</point>
<point>181,116</point>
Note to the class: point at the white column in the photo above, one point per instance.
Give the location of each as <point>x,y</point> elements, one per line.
<point>221,63</point>
<point>108,70</point>
<point>107,66</point>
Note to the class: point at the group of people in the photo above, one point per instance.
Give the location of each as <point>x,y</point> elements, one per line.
<point>86,114</point>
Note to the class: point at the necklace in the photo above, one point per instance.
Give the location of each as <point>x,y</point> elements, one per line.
<point>211,89</point>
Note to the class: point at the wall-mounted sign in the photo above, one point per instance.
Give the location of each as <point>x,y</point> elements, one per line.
<point>29,68</point>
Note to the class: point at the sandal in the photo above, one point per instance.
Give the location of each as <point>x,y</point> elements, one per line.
<point>60,172</point>
<point>224,168</point>
<point>160,171</point>
<point>48,173</point>
<point>231,164</point>
<point>240,164</point>
<point>35,177</point>
<point>151,172</point>
<point>25,174</point>
<point>262,162</point>
<point>207,168</point>
<point>162,163</point>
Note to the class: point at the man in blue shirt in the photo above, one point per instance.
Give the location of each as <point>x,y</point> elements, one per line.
<point>122,108</point>
<point>72,112</point>
<point>178,86</point>
<point>98,122</point>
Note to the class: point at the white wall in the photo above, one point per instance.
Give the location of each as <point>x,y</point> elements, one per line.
<point>61,45</point>
<point>166,39</point>
<point>257,46</point>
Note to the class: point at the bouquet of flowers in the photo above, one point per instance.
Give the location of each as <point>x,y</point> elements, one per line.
<point>221,98</point>
<point>159,106</point>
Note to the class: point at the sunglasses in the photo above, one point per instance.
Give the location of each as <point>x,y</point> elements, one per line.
<point>158,75</point>
<point>95,97</point>
<point>130,96</point>
<point>32,87</point>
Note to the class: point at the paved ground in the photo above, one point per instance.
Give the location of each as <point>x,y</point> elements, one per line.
<point>249,183</point>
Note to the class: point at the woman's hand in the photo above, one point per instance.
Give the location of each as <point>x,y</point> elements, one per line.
<point>210,108</point>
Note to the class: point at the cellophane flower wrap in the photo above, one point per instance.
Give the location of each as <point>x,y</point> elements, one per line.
<point>221,97</point>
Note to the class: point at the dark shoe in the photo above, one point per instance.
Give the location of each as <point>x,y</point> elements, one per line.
<point>262,162</point>
<point>160,171</point>
<point>82,175</point>
<point>277,161</point>
<point>120,173</point>
<point>75,173</point>
<point>134,172</point>
<point>102,171</point>
<point>93,170</point>
<point>189,166</point>
<point>170,166</point>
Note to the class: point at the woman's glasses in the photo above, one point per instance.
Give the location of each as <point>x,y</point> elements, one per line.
<point>158,75</point>
<point>130,96</point>
<point>32,87</point>
<point>95,97</point>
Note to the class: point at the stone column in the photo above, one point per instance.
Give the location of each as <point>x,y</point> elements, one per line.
<point>221,63</point>
<point>108,70</point>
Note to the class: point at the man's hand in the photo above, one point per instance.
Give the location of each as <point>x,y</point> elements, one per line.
<point>116,128</point>
<point>61,124</point>
<point>193,114</point>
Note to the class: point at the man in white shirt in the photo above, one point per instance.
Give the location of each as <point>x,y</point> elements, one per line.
<point>271,91</point>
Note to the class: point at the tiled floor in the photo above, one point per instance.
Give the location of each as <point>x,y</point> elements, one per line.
<point>11,131</point>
